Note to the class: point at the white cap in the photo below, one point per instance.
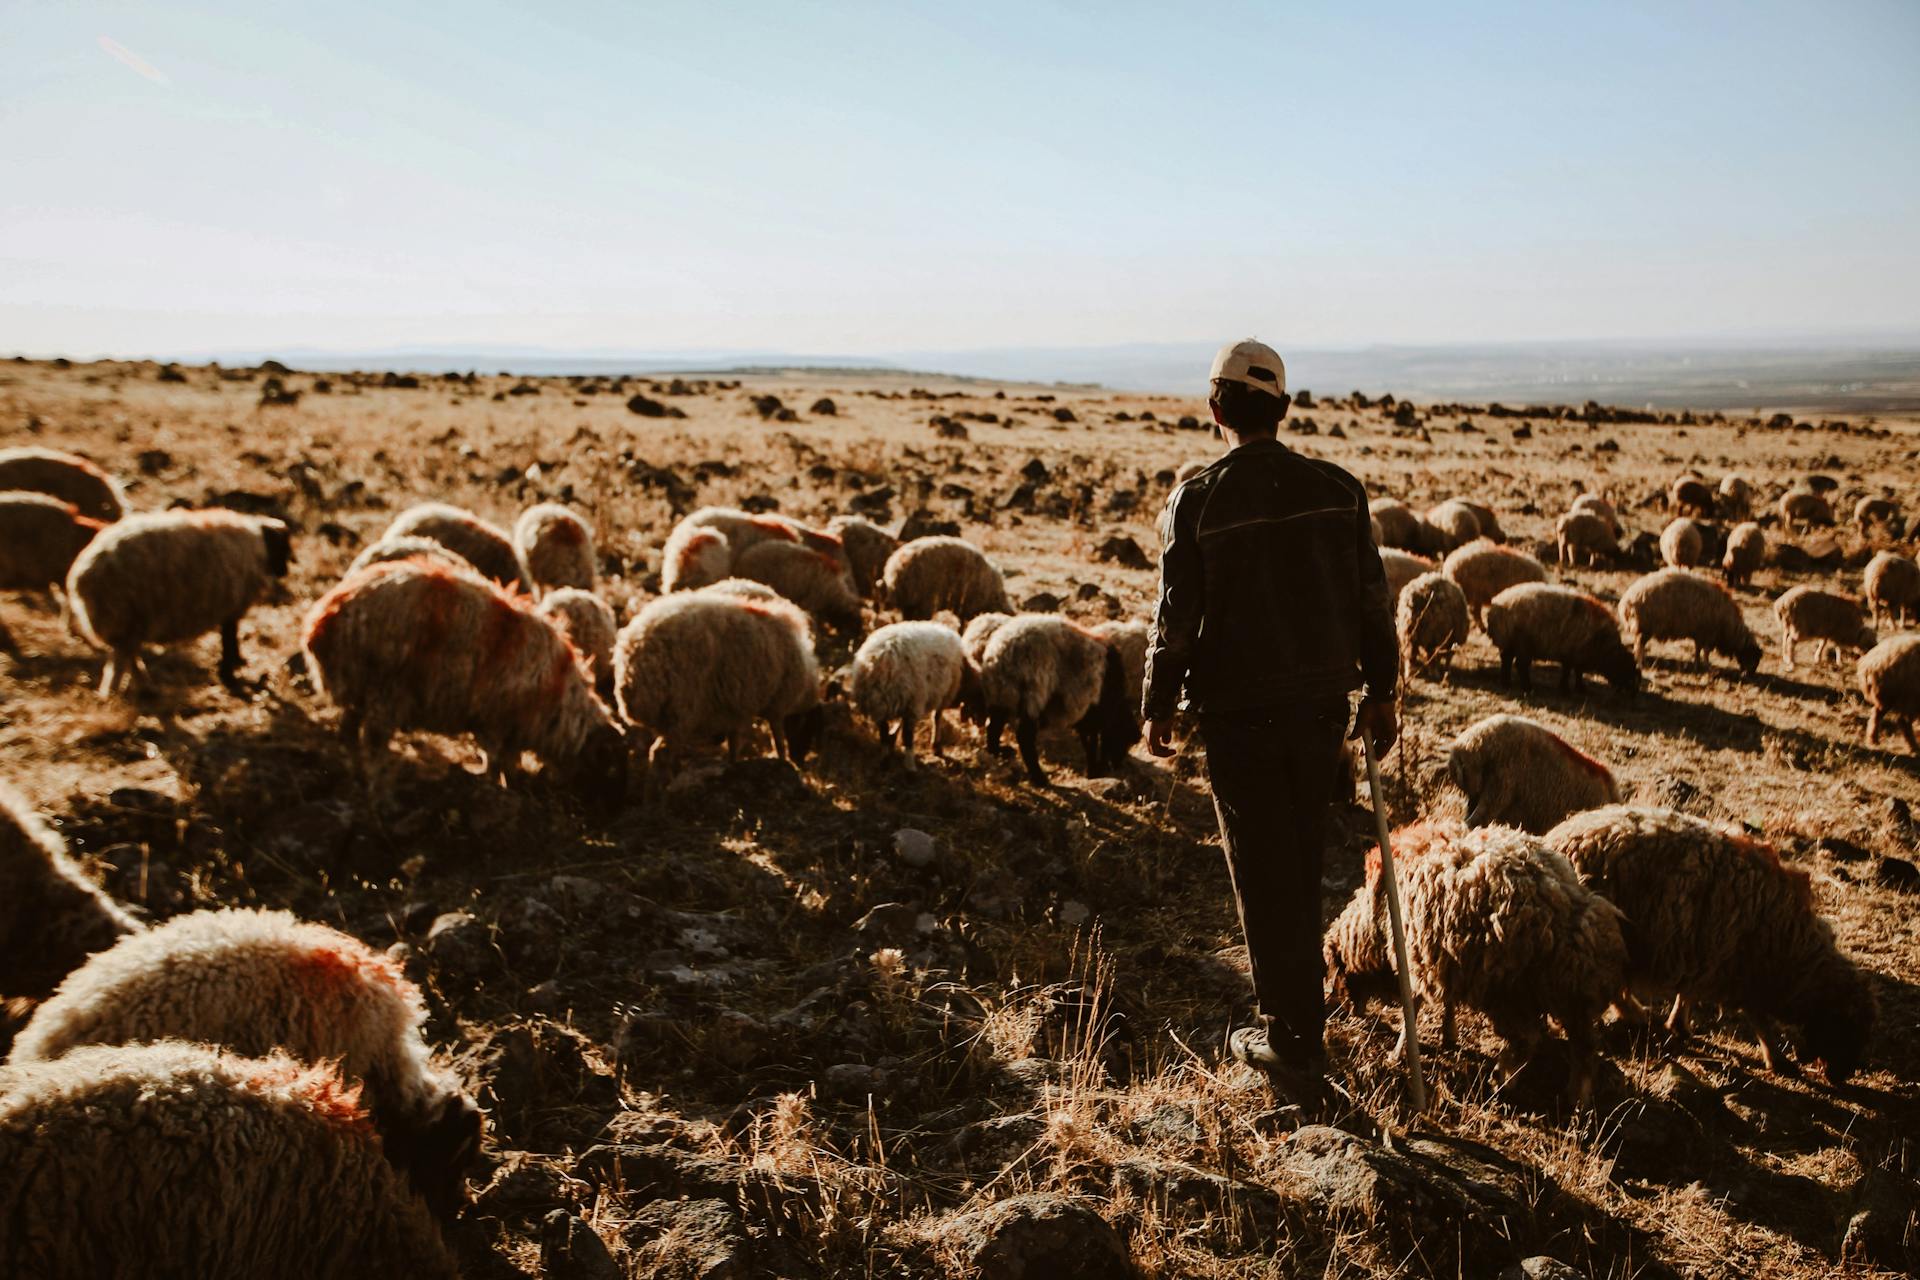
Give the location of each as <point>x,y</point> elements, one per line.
<point>1251,364</point>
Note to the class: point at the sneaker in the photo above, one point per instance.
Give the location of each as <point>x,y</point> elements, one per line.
<point>1301,1084</point>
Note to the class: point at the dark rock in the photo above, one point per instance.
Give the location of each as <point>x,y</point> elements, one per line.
<point>1036,471</point>
<point>854,1081</point>
<point>1880,1229</point>
<point>1039,1237</point>
<point>1523,432</point>
<point>1188,422</point>
<point>1064,414</point>
<point>529,1075</point>
<point>1841,850</point>
<point>1540,1268</point>
<point>1672,792</point>
<point>891,923</point>
<point>648,408</point>
<point>1246,1208</point>
<point>874,501</point>
<point>921,524</point>
<point>153,461</point>
<point>523,1183</point>
<point>1041,602</point>
<point>824,407</point>
<point>1124,551</point>
<point>572,1250</point>
<point>1897,874</point>
<point>766,406</point>
<point>460,946</point>
<point>171,373</point>
<point>784,414</point>
<point>651,1170</point>
<point>698,1239</point>
<point>1654,1140</point>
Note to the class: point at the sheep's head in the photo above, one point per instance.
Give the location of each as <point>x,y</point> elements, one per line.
<point>279,542</point>
<point>1114,713</point>
<point>1836,1020</point>
<point>436,1150</point>
<point>1747,654</point>
<point>973,696</point>
<point>600,770</point>
<point>803,730</point>
<point>1614,663</point>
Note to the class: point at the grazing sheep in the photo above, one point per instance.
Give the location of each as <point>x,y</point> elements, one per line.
<point>258,981</point>
<point>1374,531</point>
<point>1541,621</point>
<point>174,1159</point>
<point>1829,619</point>
<point>1489,523</point>
<point>407,547</point>
<point>697,666</point>
<point>588,623</point>
<point>707,545</point>
<point>1803,508</point>
<point>1130,640</point>
<point>817,582</point>
<point>1679,604</point>
<point>66,476</point>
<point>172,576</point>
<point>695,556</point>
<point>1496,921</point>
<point>1893,587</point>
<point>1881,511</point>
<point>1399,525</point>
<point>1043,671</point>
<point>1448,525</point>
<point>1735,500</point>
<point>1715,918</point>
<point>1690,495</point>
<point>1599,506</point>
<point>1402,567</point>
<point>979,630</point>
<point>1584,537</point>
<point>415,645</point>
<point>51,916</point>
<point>1483,570</point>
<point>868,547</point>
<point>930,574</point>
<point>1746,552</point>
<point>1432,619</point>
<point>1682,543</point>
<point>1889,675</point>
<point>40,538</point>
<point>907,672</point>
<point>486,547</point>
<point>1517,772</point>
<point>747,589</point>
<point>556,546</point>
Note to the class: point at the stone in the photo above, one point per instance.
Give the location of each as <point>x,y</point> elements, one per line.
<point>572,1250</point>
<point>700,1239</point>
<point>1039,1237</point>
<point>529,1074</point>
<point>1540,1268</point>
<point>1041,602</point>
<point>1881,1208</point>
<point>1897,874</point>
<point>1246,1208</point>
<point>890,922</point>
<point>854,1081</point>
<point>1123,551</point>
<point>459,944</point>
<point>914,847</point>
<point>1074,914</point>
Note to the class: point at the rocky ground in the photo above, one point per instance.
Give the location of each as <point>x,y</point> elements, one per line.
<point>861,1020</point>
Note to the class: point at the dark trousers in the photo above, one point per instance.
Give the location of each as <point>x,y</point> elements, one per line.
<point>1273,775</point>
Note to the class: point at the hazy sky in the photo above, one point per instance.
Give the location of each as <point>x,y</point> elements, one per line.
<point>864,178</point>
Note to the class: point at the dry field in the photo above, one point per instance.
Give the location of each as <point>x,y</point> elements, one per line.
<point>738,1034</point>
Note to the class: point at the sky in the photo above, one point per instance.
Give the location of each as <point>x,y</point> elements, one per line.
<point>868,178</point>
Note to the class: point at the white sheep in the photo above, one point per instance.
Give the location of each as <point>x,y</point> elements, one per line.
<point>40,538</point>
<point>819,583</point>
<point>1401,568</point>
<point>1432,620</point>
<point>172,576</point>
<point>1482,570</point>
<point>1889,676</point>
<point>1832,621</point>
<point>695,556</point>
<point>1679,604</point>
<point>1599,506</point>
<point>1746,551</point>
<point>1130,640</point>
<point>51,916</point>
<point>556,546</point>
<point>1447,525</point>
<point>908,672</point>
<point>66,476</point>
<point>1584,537</point>
<point>485,546</point>
<point>173,1159</point>
<point>1517,772</point>
<point>1541,621</point>
<point>1690,495</point>
<point>1682,543</point>
<point>406,547</point>
<point>1399,525</point>
<point>1806,509</point>
<point>1042,671</point>
<point>868,547</point>
<point>1870,511</point>
<point>588,623</point>
<point>1892,585</point>
<point>927,575</point>
<point>1735,499</point>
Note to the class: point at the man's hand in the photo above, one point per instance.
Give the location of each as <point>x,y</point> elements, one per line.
<point>1377,720</point>
<point>1160,738</point>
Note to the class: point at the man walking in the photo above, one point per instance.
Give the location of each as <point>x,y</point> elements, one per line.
<point>1273,608</point>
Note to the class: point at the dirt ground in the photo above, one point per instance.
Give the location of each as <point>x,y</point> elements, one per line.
<point>737,1032</point>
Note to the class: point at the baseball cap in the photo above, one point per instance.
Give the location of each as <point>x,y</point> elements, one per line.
<point>1251,364</point>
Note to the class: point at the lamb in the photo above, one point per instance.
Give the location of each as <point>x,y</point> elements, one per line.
<point>907,672</point>
<point>1432,620</point>
<point>1893,587</point>
<point>1889,675</point>
<point>1483,570</point>
<point>1599,506</point>
<point>588,623</point>
<point>415,645</point>
<point>1399,526</point>
<point>406,547</point>
<point>817,582</point>
<point>868,547</point>
<point>556,546</point>
<point>695,666</point>
<point>1402,567</point>
<point>1584,537</point>
<point>1682,543</point>
<point>1689,495</point>
<point>1746,551</point>
<point>1497,921</point>
<point>259,981</point>
<point>1130,640</point>
<point>51,916</point>
<point>927,575</point>
<point>1043,671</point>
<point>1541,621</point>
<point>485,546</point>
<point>1679,604</point>
<point>172,576</point>
<point>1715,918</point>
<point>1448,525</point>
<point>1832,621</point>
<point>1735,500</point>
<point>172,1159</point>
<point>40,538</point>
<point>1803,508</point>
<point>66,476</point>
<point>1517,772</point>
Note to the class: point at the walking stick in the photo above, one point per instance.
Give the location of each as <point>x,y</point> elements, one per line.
<point>1416,1086</point>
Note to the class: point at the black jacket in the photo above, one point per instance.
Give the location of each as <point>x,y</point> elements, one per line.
<point>1271,589</point>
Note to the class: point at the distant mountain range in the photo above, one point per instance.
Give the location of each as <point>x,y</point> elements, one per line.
<point>1858,376</point>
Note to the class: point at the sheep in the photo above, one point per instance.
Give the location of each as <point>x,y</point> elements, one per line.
<point>173,1159</point>
<point>1746,551</point>
<point>414,645</point>
<point>588,623</point>
<point>748,589</point>
<point>1402,567</point>
<point>406,547</point>
<point>707,545</point>
<point>1892,585</point>
<point>1432,621</point>
<point>910,671</point>
<point>695,556</point>
<point>171,576</point>
<point>1735,499</point>
<point>927,575</point>
<point>1832,621</point>
<point>1399,526</point>
<point>51,916</point>
<point>257,981</point>
<point>1489,523</point>
<point>1130,639</point>
<point>1517,772</point>
<point>1374,531</point>
<point>1499,922</point>
<point>1679,604</point>
<point>1682,543</point>
<point>1715,918</point>
<point>40,538</point>
<point>868,547</point>
<point>1483,570</point>
<point>487,547</point>
<point>1889,676</point>
<point>695,666</point>
<point>1584,537</point>
<point>1881,511</point>
<point>1042,671</point>
<point>1188,470</point>
<point>817,582</point>
<point>1538,620</point>
<point>1599,506</point>
<point>66,476</point>
<point>1689,495</point>
<point>1803,508</point>
<point>556,546</point>
<point>1448,525</point>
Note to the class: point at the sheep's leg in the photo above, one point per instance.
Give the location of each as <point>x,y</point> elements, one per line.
<point>660,761</point>
<point>7,645</point>
<point>996,721</point>
<point>1449,1026</point>
<point>230,655</point>
<point>1506,667</point>
<point>1567,677</point>
<point>779,726</point>
<point>1873,727</point>
<point>1026,731</point>
<point>933,732</point>
<point>1523,669</point>
<point>1787,647</point>
<point>1906,727</point>
<point>1090,743</point>
<point>1772,1056</point>
<point>1677,1019</point>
